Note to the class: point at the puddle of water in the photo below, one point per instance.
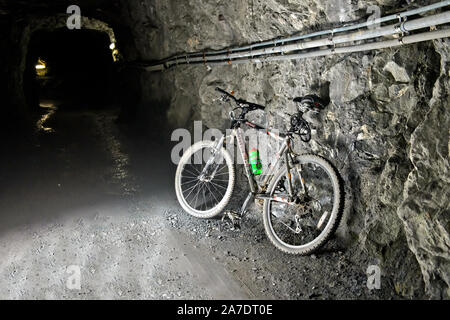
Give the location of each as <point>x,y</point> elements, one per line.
<point>120,172</point>
<point>50,110</point>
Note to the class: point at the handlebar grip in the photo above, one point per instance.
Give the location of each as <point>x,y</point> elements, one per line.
<point>240,101</point>
<point>226,93</point>
<point>256,106</point>
<point>223,91</point>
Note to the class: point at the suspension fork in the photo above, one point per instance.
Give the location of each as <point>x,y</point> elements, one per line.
<point>215,150</point>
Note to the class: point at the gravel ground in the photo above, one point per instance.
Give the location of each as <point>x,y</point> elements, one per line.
<point>87,194</point>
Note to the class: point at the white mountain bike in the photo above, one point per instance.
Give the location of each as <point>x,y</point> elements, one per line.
<point>302,194</point>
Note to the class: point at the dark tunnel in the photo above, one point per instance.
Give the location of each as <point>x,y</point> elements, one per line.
<point>77,67</point>
<point>76,147</point>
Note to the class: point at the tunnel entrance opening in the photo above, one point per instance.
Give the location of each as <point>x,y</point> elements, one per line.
<point>73,67</point>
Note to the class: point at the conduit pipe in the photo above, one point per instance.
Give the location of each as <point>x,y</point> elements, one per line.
<point>399,16</point>
<point>284,52</point>
<point>426,36</point>
<point>403,27</point>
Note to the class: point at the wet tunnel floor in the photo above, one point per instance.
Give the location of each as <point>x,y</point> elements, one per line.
<point>86,192</point>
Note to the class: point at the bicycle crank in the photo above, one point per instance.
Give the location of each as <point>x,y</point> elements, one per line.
<point>233,217</point>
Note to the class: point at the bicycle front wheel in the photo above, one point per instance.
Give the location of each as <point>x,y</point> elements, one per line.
<point>204,190</point>
<point>307,222</point>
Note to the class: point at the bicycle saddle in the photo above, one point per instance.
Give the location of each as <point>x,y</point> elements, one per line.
<point>312,101</point>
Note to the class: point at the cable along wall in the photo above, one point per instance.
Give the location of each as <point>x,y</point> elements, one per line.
<point>339,40</point>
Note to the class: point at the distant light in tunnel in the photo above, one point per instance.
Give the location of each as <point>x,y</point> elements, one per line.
<point>41,68</point>
<point>115,52</point>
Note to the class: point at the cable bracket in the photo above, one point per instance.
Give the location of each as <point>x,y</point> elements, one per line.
<point>331,39</point>
<point>400,28</point>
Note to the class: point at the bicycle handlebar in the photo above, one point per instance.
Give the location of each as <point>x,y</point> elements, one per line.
<point>299,126</point>
<point>241,103</point>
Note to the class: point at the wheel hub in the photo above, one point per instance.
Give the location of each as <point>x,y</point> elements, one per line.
<point>204,178</point>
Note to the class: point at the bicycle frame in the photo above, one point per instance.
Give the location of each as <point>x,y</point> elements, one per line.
<point>283,153</point>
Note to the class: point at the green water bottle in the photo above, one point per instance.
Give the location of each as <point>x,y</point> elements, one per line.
<point>255,163</point>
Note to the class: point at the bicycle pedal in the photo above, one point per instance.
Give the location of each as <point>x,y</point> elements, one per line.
<point>234,217</point>
<point>244,214</point>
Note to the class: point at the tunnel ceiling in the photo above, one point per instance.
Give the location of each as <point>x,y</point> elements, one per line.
<point>104,10</point>
<point>36,6</point>
<point>102,15</point>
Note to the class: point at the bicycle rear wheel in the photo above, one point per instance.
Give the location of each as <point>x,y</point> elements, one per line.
<point>304,225</point>
<point>204,193</point>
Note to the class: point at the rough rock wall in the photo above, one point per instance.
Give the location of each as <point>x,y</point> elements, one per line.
<point>424,209</point>
<point>386,127</point>
<point>4,39</point>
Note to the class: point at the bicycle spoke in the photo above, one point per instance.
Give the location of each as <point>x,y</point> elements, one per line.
<point>193,167</point>
<point>220,170</point>
<point>204,199</point>
<point>187,182</point>
<point>212,194</point>
<point>218,185</point>
<point>196,196</point>
<point>222,174</point>
<point>284,224</point>
<point>192,173</point>
<point>221,194</point>
<point>192,189</point>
